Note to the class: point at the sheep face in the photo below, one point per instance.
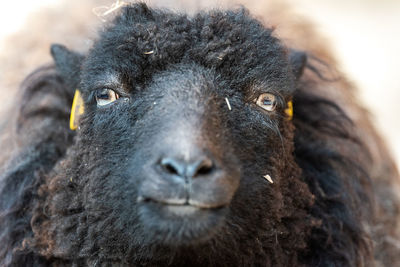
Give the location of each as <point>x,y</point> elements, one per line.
<point>184,141</point>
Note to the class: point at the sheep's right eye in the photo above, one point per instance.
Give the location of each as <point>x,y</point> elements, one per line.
<point>105,96</point>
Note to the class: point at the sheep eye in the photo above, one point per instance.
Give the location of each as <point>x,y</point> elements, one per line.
<point>105,96</point>
<point>266,101</point>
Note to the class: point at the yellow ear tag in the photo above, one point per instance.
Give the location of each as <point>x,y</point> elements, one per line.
<point>76,111</point>
<point>289,110</point>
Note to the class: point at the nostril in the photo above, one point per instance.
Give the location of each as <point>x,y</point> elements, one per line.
<point>170,169</point>
<point>172,166</point>
<point>204,170</point>
<point>200,168</point>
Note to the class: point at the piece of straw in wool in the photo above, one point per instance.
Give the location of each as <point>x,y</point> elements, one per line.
<point>228,104</point>
<point>268,178</point>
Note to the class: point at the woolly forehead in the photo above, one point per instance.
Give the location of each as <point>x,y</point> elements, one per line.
<point>141,42</point>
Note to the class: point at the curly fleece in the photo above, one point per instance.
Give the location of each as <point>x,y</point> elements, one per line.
<point>65,199</point>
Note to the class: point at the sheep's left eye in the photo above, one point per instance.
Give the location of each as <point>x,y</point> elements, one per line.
<point>266,101</point>
<point>105,96</point>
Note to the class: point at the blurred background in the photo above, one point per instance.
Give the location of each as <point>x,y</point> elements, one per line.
<point>364,35</point>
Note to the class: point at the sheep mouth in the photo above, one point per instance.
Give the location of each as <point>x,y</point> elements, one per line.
<point>180,210</point>
<point>180,206</point>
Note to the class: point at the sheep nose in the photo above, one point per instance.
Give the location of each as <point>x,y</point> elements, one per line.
<point>187,169</point>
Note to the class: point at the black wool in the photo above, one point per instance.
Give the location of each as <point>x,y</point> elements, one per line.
<point>185,154</point>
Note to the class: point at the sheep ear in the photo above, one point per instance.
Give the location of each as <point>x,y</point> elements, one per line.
<point>298,61</point>
<point>68,64</point>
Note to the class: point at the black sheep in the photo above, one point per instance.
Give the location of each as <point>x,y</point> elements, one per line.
<point>190,153</point>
